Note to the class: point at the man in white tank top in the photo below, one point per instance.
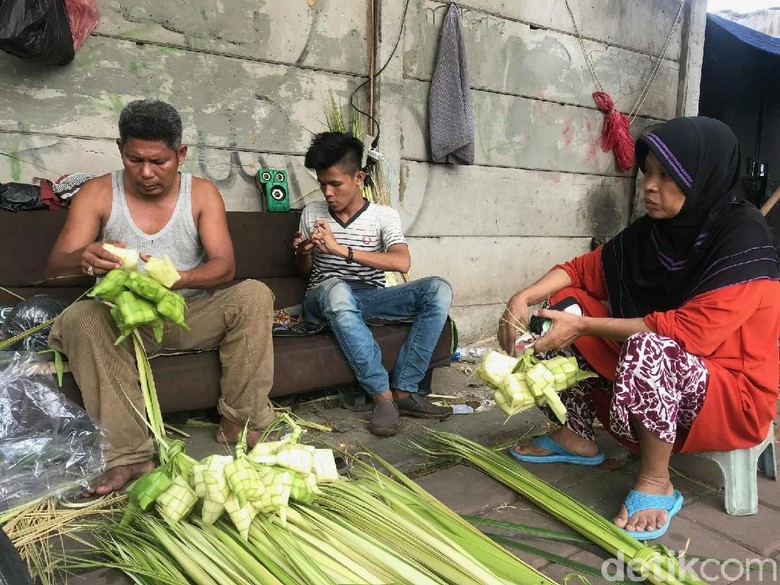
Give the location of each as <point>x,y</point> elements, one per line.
<point>344,246</point>
<point>154,208</point>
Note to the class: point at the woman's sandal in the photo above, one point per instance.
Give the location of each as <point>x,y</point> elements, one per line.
<point>639,501</point>
<point>558,454</point>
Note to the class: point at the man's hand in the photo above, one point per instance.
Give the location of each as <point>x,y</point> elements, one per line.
<point>325,241</point>
<point>303,245</point>
<point>97,261</point>
<point>513,321</point>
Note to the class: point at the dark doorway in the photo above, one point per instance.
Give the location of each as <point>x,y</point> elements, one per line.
<point>740,85</point>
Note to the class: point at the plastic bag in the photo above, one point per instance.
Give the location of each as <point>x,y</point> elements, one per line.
<point>83,16</point>
<point>36,30</point>
<point>29,313</point>
<point>48,444</point>
<point>20,197</point>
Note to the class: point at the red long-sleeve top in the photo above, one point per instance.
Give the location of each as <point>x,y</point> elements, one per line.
<point>733,329</point>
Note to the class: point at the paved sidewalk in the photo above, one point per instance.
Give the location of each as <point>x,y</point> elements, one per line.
<point>702,526</point>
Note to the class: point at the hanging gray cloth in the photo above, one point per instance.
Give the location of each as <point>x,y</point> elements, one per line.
<point>451,118</point>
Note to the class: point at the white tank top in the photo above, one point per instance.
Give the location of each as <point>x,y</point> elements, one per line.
<point>178,238</point>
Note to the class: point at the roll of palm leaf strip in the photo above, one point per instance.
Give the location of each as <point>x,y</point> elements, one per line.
<point>655,563</point>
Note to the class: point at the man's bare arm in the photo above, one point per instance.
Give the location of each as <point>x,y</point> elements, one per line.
<point>220,265</point>
<point>76,248</point>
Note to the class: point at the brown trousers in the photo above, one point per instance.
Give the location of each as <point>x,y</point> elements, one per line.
<point>237,320</point>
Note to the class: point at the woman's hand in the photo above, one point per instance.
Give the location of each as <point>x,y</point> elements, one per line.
<point>564,330</point>
<point>513,321</point>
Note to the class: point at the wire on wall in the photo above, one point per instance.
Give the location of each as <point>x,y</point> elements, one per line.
<point>374,76</point>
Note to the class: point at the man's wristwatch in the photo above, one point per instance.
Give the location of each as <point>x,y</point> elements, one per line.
<point>350,255</point>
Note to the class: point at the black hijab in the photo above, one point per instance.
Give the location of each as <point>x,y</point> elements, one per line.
<point>716,240</point>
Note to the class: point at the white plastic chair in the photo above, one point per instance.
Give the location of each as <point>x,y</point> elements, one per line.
<point>739,473</point>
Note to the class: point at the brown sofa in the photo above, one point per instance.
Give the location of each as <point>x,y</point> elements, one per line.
<point>263,250</point>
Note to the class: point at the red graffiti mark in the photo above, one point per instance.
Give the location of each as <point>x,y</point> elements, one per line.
<point>588,125</point>
<point>567,134</point>
<point>593,148</point>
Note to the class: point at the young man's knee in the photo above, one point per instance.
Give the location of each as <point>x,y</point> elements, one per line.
<point>441,291</point>
<point>334,295</point>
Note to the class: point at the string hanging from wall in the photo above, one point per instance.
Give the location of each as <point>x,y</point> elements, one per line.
<point>615,132</point>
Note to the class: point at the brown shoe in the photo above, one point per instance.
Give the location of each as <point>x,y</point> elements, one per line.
<point>417,406</point>
<point>385,420</point>
<point>228,432</point>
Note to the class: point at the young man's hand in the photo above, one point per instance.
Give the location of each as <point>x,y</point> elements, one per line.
<point>303,245</point>
<point>325,241</point>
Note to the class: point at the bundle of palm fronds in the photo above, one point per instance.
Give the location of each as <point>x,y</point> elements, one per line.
<point>41,530</point>
<point>655,563</point>
<point>372,528</point>
<point>378,191</point>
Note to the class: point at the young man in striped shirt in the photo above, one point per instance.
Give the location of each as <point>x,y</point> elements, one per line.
<point>345,245</point>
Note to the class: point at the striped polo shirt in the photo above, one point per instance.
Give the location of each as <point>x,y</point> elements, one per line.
<point>374,229</point>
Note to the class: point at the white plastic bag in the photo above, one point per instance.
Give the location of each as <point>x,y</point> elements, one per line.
<point>48,444</point>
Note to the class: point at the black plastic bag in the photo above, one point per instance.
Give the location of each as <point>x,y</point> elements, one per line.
<point>29,313</point>
<point>36,30</point>
<point>20,196</point>
<point>12,568</point>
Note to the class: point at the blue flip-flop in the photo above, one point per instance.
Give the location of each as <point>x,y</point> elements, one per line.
<point>638,501</point>
<point>558,454</point>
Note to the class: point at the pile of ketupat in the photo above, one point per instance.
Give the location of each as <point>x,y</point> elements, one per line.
<point>264,480</point>
<point>527,381</point>
<point>278,513</point>
<point>377,526</point>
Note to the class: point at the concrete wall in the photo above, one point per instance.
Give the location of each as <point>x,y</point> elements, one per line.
<point>251,79</point>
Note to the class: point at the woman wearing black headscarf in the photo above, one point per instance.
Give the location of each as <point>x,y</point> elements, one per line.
<point>682,317</point>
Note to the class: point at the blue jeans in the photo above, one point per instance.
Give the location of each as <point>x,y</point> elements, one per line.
<point>426,302</point>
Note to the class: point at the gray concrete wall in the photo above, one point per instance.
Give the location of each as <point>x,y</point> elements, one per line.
<point>251,79</point>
